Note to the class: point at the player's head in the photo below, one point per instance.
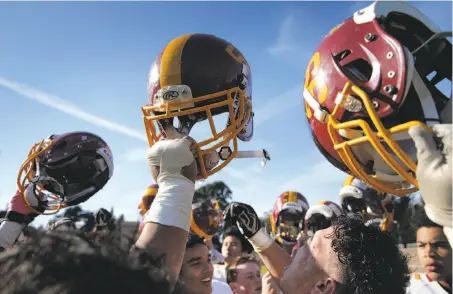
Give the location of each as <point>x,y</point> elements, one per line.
<point>433,249</point>
<point>197,269</point>
<point>68,168</point>
<point>363,92</point>
<point>321,216</point>
<point>196,78</point>
<point>347,257</point>
<point>377,208</point>
<point>287,217</point>
<point>63,263</point>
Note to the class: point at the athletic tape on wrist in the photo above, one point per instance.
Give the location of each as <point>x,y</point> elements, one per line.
<point>173,203</point>
<point>261,240</point>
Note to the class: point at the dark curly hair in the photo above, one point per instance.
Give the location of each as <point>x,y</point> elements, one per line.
<point>67,263</point>
<point>371,261</point>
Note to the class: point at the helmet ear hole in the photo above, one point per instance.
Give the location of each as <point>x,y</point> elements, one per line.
<point>359,69</point>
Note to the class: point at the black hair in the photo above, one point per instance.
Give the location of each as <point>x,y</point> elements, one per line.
<point>234,231</point>
<point>65,263</point>
<point>422,220</point>
<point>371,260</point>
<point>193,240</point>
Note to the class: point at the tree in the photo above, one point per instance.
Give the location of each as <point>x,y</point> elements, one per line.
<point>266,221</point>
<point>214,191</point>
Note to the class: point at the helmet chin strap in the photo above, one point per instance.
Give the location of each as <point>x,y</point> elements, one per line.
<point>252,154</point>
<point>41,181</point>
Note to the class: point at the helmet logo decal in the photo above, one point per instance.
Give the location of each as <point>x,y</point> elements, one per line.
<point>170,95</point>
<point>314,79</point>
<point>233,52</point>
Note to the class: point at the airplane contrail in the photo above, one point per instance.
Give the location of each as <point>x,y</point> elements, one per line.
<point>69,108</point>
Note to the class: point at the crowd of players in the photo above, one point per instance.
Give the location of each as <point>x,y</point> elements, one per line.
<point>373,113</point>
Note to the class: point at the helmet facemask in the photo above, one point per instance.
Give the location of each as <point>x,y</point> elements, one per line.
<point>289,225</point>
<point>65,181</point>
<point>317,222</point>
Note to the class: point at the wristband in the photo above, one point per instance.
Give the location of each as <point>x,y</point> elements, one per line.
<point>261,240</point>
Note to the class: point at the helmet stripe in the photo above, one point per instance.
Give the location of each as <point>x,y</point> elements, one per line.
<point>170,65</point>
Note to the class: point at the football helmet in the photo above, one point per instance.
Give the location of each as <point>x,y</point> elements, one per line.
<point>374,206</point>
<point>321,216</point>
<point>145,204</point>
<point>148,198</point>
<point>287,217</point>
<point>194,78</point>
<point>368,82</point>
<point>67,168</point>
<point>206,219</point>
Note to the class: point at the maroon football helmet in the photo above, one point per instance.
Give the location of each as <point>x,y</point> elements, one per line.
<point>68,168</point>
<point>373,77</point>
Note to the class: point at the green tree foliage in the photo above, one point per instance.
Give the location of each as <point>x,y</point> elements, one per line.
<point>214,191</point>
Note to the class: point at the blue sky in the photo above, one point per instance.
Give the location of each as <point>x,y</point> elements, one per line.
<point>83,66</point>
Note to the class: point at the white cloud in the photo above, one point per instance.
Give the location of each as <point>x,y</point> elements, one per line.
<point>285,40</point>
<point>278,105</point>
<point>70,109</point>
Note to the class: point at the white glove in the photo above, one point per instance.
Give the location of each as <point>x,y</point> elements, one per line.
<point>434,171</point>
<point>173,203</point>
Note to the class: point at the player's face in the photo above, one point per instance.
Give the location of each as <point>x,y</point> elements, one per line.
<point>434,252</point>
<point>231,248</point>
<point>313,262</point>
<point>248,279</point>
<point>197,270</point>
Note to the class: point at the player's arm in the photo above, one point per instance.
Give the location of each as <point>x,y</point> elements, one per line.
<point>272,255</point>
<point>167,223</point>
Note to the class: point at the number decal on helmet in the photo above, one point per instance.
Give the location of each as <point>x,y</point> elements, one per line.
<point>315,79</point>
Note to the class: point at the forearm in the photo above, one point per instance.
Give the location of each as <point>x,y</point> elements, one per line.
<point>275,259</point>
<point>167,241</point>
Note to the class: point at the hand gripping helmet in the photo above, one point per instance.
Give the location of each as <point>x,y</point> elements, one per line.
<point>368,82</point>
<point>68,168</point>
<point>287,218</point>
<point>321,216</point>
<point>195,78</point>
<point>376,207</point>
<point>205,219</point>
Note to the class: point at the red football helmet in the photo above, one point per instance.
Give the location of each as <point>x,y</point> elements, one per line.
<point>368,82</point>
<point>321,216</point>
<point>195,78</point>
<point>287,218</point>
